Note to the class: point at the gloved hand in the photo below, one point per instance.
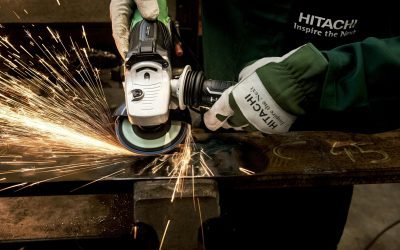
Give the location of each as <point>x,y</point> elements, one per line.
<point>271,92</point>
<point>121,15</point>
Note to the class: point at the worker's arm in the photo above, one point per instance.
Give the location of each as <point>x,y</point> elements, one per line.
<point>272,93</point>
<point>361,73</point>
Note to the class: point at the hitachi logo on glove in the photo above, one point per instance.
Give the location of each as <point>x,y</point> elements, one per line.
<point>269,121</point>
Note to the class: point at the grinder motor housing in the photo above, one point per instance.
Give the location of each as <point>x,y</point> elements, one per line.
<point>148,74</point>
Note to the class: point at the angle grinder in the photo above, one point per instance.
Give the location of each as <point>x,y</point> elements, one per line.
<point>154,118</point>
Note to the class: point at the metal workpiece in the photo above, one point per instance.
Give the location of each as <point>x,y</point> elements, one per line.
<point>176,216</point>
<point>233,158</point>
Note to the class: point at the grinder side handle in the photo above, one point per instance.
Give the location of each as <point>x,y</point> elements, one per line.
<point>212,91</point>
<point>195,90</point>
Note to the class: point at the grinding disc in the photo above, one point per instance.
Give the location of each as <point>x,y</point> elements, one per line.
<point>148,141</point>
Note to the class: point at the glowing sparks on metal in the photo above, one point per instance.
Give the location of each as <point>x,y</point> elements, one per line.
<point>121,171</point>
<point>201,220</point>
<point>246,171</point>
<point>187,162</point>
<point>53,109</point>
<point>84,36</point>
<point>15,13</point>
<point>48,113</point>
<point>164,234</point>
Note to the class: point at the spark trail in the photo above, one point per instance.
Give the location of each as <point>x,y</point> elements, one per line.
<point>187,163</point>
<point>53,109</point>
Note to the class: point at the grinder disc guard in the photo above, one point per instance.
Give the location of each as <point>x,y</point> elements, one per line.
<point>150,141</point>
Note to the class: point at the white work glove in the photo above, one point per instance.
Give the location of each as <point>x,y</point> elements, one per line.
<point>121,16</point>
<point>270,93</point>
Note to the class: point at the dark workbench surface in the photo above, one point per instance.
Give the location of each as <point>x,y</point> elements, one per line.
<point>293,159</point>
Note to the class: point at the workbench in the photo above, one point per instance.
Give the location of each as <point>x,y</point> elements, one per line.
<point>135,205</point>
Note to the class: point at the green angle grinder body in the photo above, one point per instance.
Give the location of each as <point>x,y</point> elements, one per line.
<point>149,141</point>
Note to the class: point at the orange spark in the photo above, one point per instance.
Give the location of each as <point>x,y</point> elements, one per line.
<point>48,114</point>
<point>165,233</point>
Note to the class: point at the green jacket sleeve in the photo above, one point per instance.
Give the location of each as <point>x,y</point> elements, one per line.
<point>362,75</point>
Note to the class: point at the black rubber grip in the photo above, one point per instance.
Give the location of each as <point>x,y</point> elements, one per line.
<point>201,92</point>
<point>212,91</point>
